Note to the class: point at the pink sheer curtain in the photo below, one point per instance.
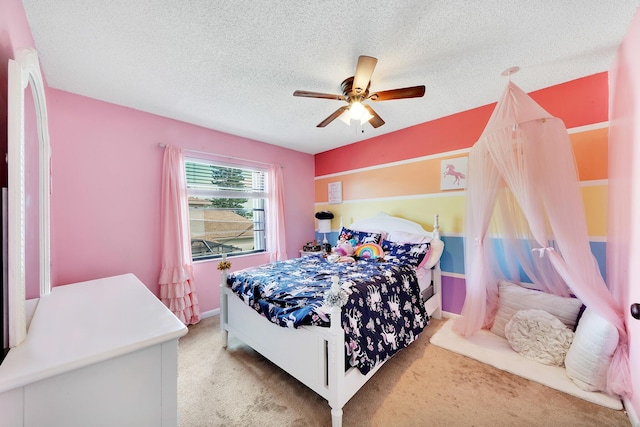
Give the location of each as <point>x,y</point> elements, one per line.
<point>177,290</point>
<point>276,239</point>
<point>522,169</point>
<point>624,140</point>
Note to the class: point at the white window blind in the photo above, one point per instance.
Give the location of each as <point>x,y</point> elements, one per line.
<point>226,208</point>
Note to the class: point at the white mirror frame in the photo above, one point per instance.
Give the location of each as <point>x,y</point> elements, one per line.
<point>22,72</point>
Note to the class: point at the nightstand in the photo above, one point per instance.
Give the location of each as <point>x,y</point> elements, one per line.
<point>306,253</point>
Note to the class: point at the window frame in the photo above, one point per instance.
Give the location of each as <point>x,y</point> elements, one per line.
<point>259,233</point>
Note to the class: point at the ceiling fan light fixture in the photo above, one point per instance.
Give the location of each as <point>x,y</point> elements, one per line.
<point>366,116</point>
<point>356,110</point>
<point>345,117</point>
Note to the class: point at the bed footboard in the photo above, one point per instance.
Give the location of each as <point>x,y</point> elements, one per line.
<point>319,359</point>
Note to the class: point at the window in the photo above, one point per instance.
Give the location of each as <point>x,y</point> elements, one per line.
<point>226,208</point>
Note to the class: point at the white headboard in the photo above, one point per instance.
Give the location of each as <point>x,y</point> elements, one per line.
<point>382,221</point>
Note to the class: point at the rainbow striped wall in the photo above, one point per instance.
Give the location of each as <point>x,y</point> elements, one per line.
<point>399,173</point>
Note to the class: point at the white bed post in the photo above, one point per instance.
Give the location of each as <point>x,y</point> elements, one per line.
<point>437,274</point>
<point>223,305</point>
<point>336,365</point>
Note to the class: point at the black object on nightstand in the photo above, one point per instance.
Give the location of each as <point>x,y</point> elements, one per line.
<point>312,247</point>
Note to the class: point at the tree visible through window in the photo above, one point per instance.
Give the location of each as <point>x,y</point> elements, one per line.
<point>226,208</point>
<point>230,179</point>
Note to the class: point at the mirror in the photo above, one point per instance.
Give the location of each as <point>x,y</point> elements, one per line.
<point>24,72</point>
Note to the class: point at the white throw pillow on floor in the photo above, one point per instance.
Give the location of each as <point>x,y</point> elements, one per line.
<point>513,298</point>
<point>590,355</point>
<point>539,336</point>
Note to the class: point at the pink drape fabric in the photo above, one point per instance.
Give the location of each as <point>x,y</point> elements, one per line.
<point>624,192</point>
<point>523,186</point>
<point>177,290</point>
<point>276,238</point>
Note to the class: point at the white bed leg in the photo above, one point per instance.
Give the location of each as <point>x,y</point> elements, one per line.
<point>437,285</point>
<point>336,362</point>
<point>336,417</point>
<point>224,308</point>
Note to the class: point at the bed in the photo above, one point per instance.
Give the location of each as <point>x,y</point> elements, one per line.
<point>332,357</point>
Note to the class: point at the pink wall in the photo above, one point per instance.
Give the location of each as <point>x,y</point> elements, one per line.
<point>623,248</point>
<point>15,34</point>
<point>106,171</point>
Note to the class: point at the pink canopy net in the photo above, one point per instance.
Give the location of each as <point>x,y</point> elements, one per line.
<point>523,187</point>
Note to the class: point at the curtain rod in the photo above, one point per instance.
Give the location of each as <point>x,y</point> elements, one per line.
<point>162,145</point>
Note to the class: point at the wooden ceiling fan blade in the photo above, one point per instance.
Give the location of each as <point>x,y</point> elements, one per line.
<point>364,70</point>
<point>308,94</point>
<point>375,121</point>
<point>407,92</point>
<point>333,116</point>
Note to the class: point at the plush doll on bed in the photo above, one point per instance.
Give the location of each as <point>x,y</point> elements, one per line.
<point>344,248</point>
<point>346,244</point>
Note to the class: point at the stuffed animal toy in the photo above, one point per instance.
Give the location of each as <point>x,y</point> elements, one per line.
<point>344,248</point>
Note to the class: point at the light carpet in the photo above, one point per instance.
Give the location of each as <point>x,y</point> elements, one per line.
<point>423,385</point>
<point>494,350</point>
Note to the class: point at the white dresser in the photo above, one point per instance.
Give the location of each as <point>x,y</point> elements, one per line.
<point>98,353</point>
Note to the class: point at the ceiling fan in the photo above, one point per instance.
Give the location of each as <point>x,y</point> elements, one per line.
<point>355,90</point>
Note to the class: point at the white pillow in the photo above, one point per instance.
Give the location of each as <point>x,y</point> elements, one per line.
<point>407,237</point>
<point>539,336</point>
<point>590,355</point>
<point>513,298</point>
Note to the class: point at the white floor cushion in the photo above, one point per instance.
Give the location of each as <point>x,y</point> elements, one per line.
<point>493,350</point>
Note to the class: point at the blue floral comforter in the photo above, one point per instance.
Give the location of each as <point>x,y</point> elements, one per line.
<point>383,314</point>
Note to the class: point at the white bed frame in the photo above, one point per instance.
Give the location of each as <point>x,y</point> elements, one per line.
<point>319,359</point>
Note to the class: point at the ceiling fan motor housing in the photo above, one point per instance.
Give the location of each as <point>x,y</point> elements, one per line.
<point>353,94</point>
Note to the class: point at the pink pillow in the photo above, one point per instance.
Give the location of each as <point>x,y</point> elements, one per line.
<point>426,258</point>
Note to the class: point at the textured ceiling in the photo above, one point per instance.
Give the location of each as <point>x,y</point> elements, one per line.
<point>233,65</point>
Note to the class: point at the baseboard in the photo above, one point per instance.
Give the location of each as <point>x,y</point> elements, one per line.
<point>449,315</point>
<point>210,313</point>
<point>631,413</point>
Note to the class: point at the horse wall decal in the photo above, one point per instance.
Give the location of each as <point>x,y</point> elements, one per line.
<point>450,170</point>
